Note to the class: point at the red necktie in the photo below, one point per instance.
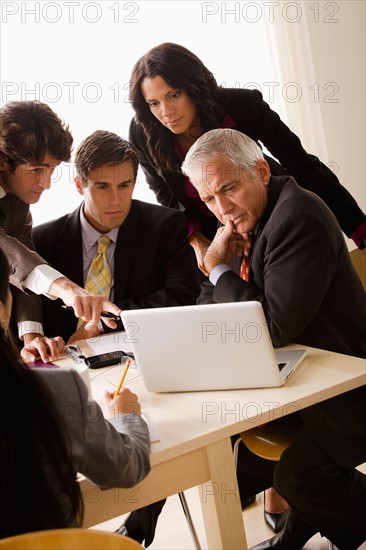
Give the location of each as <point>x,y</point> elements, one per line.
<point>244,268</point>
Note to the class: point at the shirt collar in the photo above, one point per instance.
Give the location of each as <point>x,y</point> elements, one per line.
<point>2,193</point>
<point>91,235</point>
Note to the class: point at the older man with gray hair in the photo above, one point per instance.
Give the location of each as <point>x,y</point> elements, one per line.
<point>298,267</point>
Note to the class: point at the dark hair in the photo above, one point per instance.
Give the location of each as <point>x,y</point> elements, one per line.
<point>182,70</point>
<point>35,460</point>
<point>29,130</point>
<point>101,148</point>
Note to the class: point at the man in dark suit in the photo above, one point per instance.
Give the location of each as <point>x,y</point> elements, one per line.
<point>301,272</point>
<point>151,262</point>
<point>33,141</point>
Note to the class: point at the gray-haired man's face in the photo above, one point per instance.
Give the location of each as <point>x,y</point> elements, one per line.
<point>232,193</point>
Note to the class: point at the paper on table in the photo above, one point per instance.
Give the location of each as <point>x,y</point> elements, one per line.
<point>152,431</point>
<point>113,341</point>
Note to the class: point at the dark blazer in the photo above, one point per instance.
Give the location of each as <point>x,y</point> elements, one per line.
<point>18,247</point>
<point>301,272</point>
<point>154,264</point>
<point>254,118</point>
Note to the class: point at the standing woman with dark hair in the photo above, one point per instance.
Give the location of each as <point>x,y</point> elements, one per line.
<point>176,99</point>
<point>43,446</point>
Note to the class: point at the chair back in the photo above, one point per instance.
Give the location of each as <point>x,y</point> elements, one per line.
<point>358,258</point>
<point>69,539</point>
<point>269,441</point>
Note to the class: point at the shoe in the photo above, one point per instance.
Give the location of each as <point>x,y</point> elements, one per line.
<point>294,535</point>
<point>122,530</point>
<point>275,522</point>
<point>245,502</point>
<point>273,543</point>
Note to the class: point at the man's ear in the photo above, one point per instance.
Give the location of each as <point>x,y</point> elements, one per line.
<point>79,185</point>
<point>263,171</point>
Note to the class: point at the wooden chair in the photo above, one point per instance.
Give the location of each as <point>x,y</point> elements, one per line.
<point>69,539</point>
<point>270,440</point>
<point>358,258</point>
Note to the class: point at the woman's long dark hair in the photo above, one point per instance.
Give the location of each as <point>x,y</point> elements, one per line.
<point>182,70</point>
<point>36,466</point>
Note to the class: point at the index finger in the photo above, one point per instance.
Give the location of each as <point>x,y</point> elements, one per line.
<point>43,350</point>
<point>96,306</point>
<point>111,308</point>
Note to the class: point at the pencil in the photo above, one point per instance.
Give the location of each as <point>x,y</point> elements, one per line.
<point>128,362</point>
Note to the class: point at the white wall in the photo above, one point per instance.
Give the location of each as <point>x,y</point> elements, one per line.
<point>339,60</point>
<point>323,55</point>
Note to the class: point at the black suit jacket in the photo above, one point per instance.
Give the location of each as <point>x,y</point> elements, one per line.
<point>301,272</point>
<point>254,118</point>
<point>154,265</point>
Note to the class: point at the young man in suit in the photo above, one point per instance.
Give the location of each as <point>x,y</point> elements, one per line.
<point>301,272</point>
<point>150,260</point>
<point>33,141</point>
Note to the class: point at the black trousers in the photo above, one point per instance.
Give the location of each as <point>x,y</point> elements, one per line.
<point>316,474</point>
<point>254,474</point>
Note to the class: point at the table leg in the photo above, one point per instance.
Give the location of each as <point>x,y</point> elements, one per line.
<point>220,500</point>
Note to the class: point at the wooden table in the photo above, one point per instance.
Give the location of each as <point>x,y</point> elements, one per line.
<point>195,428</point>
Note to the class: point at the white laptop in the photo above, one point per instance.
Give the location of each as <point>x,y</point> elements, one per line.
<point>207,347</point>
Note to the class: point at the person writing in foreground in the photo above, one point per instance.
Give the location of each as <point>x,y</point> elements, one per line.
<point>33,142</point>
<point>38,473</point>
<point>301,272</point>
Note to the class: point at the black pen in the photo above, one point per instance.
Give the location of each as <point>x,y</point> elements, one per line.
<point>105,314</point>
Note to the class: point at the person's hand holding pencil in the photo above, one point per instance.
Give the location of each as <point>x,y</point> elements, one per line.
<point>127,363</point>
<point>123,400</point>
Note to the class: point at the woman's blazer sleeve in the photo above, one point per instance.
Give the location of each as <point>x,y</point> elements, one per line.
<point>255,117</point>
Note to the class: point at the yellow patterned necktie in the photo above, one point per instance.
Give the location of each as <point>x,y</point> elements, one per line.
<point>99,276</point>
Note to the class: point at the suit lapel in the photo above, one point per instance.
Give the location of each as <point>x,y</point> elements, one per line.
<point>275,189</point>
<point>70,249</point>
<point>127,246</point>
